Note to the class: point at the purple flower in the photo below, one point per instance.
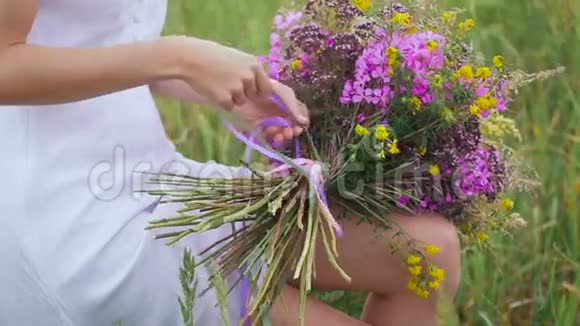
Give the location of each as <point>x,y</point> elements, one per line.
<point>373,68</point>
<point>482,90</point>
<point>284,22</point>
<point>346,46</point>
<point>404,200</point>
<point>308,38</point>
<point>275,56</point>
<point>421,90</point>
<point>480,173</point>
<point>393,8</point>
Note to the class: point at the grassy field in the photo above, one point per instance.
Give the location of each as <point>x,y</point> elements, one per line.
<point>533,278</point>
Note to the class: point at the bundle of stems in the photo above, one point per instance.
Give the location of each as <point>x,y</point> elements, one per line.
<point>278,223</point>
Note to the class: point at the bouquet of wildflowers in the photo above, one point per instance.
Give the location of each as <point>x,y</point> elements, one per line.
<point>406,116</point>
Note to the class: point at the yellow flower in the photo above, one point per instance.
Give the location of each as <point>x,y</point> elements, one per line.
<point>416,103</point>
<point>434,285</point>
<point>536,130</point>
<point>483,73</point>
<point>475,110</point>
<point>413,284</point>
<point>432,45</point>
<point>483,102</point>
<point>448,115</point>
<point>498,61</point>
<point>422,150</point>
<point>486,102</point>
<point>382,155</point>
<point>361,131</point>
<point>415,270</point>
<point>422,293</point>
<point>296,64</point>
<point>435,170</point>
<point>363,5</point>
<point>434,29</point>
<point>438,81</point>
<point>393,54</point>
<point>507,204</point>
<point>413,260</point>
<point>432,249</point>
<point>412,30</point>
<point>449,17</point>
<point>466,26</point>
<point>482,237</point>
<point>455,76</point>
<point>438,274</point>
<point>402,18</point>
<point>394,148</point>
<point>382,133</point>
<point>466,72</point>
<point>392,51</point>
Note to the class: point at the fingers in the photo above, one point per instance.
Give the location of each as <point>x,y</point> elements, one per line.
<point>297,110</point>
<point>255,85</point>
<point>281,136</point>
<point>264,85</point>
<point>278,140</point>
<point>270,132</point>
<point>288,134</point>
<point>297,131</point>
<point>239,97</point>
<point>250,88</point>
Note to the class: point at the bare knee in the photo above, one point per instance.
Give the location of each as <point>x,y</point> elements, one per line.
<point>434,229</point>
<point>449,257</point>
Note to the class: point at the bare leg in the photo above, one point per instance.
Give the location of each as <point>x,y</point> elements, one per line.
<point>285,312</point>
<point>365,256</point>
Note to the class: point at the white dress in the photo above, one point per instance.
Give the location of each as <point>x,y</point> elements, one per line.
<point>73,249</point>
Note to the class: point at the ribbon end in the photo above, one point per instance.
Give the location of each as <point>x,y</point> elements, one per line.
<point>338,230</point>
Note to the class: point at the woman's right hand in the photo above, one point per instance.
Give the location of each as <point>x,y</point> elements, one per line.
<point>224,76</point>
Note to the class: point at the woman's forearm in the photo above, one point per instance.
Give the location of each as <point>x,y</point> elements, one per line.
<point>40,75</point>
<point>179,90</point>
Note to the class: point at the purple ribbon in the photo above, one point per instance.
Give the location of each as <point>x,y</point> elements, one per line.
<point>311,169</point>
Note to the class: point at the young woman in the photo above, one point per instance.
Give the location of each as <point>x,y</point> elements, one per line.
<point>78,120</point>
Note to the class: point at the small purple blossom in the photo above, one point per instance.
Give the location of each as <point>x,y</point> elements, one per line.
<point>288,20</point>
<point>404,200</point>
<point>309,38</point>
<point>275,56</point>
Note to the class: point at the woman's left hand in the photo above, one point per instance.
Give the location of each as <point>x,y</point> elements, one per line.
<point>295,112</point>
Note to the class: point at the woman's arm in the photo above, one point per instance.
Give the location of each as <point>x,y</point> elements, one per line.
<point>41,75</point>
<point>177,90</point>
<point>38,75</point>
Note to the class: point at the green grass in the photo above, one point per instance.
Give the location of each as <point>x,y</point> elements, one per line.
<point>532,279</point>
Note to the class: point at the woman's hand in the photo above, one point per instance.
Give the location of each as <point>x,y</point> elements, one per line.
<point>223,75</point>
<point>237,82</point>
<point>255,111</point>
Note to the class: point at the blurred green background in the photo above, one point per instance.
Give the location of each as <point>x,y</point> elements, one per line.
<point>533,277</point>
